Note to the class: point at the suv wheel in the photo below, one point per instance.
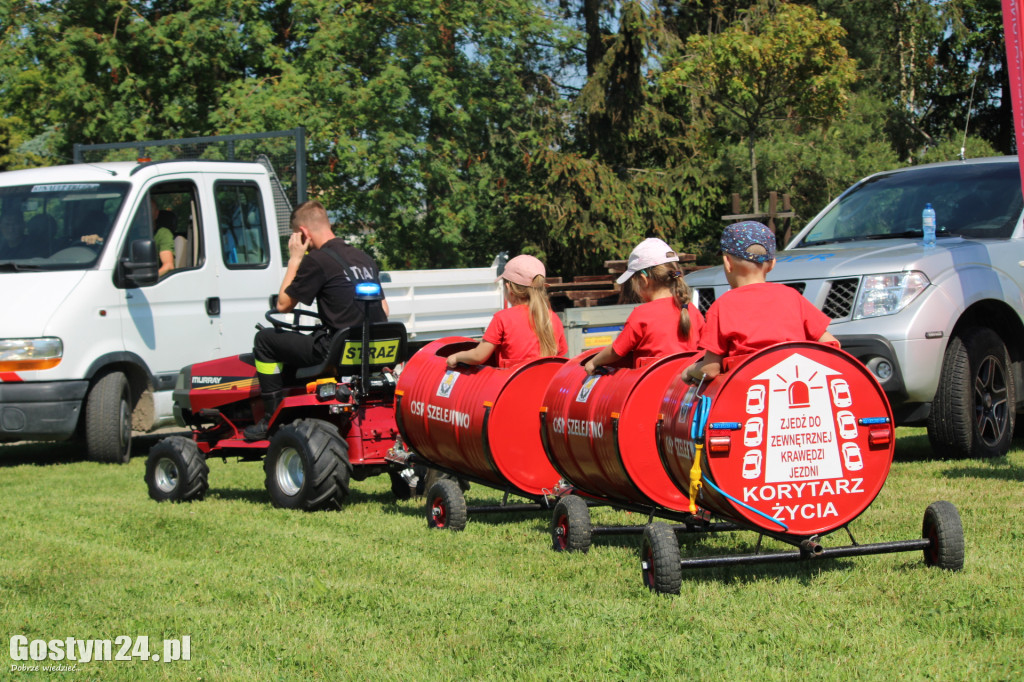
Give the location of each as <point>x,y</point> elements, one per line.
<point>972,414</point>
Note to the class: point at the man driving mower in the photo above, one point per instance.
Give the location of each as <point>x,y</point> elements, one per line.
<point>329,273</point>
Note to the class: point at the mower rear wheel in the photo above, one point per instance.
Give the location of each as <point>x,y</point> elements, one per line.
<point>943,527</point>
<point>446,506</point>
<point>176,471</point>
<point>659,559</point>
<point>307,466</point>
<point>570,525</point>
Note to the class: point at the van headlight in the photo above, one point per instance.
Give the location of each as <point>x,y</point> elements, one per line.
<point>888,293</point>
<point>22,355</point>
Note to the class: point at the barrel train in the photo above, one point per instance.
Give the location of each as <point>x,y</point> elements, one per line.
<point>793,443</point>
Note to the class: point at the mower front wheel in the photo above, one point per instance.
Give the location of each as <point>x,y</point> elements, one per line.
<point>176,471</point>
<point>307,466</point>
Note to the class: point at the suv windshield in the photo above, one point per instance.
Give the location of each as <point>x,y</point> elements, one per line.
<point>970,200</point>
<point>57,226</point>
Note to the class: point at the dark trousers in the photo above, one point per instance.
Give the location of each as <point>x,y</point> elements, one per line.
<point>279,353</point>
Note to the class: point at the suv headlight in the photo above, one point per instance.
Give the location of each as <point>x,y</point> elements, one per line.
<point>21,355</point>
<point>888,293</point>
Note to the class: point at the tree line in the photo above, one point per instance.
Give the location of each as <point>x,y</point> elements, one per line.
<point>445,131</point>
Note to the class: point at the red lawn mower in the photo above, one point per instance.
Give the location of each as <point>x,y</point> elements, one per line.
<point>335,423</point>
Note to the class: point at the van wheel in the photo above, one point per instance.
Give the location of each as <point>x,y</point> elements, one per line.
<point>108,420</point>
<point>307,466</point>
<point>973,412</point>
<point>176,471</point>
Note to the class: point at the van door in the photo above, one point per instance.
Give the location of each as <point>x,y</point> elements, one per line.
<point>248,278</point>
<point>174,322</point>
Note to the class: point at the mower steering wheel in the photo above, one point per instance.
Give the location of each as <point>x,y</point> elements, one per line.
<point>294,325</point>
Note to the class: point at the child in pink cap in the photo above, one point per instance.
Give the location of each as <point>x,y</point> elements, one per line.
<point>754,313</point>
<point>667,322</point>
<point>527,330</point>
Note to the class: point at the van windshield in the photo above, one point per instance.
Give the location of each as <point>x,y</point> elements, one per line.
<point>57,226</point>
<point>977,201</point>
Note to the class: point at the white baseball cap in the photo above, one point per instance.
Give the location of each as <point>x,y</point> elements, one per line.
<point>647,254</point>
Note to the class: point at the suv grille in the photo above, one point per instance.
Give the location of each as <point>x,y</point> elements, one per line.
<point>799,286</point>
<point>705,297</point>
<point>839,302</point>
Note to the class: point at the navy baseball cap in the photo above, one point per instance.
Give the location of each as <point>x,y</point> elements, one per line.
<point>738,238</point>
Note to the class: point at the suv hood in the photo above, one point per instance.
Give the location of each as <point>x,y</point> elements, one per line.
<point>27,313</point>
<point>855,259</point>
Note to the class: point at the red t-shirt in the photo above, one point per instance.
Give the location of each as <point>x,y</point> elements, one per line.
<point>511,331</point>
<point>652,330</point>
<point>754,316</point>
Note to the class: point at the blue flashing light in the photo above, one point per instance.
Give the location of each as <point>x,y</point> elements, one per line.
<point>367,289</point>
<point>727,426</point>
<point>866,421</point>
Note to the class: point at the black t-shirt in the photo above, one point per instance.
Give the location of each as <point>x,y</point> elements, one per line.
<point>322,277</point>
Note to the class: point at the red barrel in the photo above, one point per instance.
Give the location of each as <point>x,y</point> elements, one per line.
<point>599,431</point>
<point>481,421</point>
<point>798,439</point>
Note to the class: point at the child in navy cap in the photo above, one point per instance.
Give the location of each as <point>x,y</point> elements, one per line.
<point>754,314</point>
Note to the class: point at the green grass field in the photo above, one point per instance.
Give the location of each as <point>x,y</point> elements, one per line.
<point>369,593</point>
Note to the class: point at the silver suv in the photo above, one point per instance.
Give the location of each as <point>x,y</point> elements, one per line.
<point>940,327</point>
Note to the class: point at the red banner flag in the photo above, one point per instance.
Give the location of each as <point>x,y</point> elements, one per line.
<point>1013,15</point>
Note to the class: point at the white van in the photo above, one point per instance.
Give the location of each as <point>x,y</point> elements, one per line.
<point>92,338</point>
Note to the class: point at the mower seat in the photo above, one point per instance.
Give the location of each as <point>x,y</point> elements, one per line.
<point>387,349</point>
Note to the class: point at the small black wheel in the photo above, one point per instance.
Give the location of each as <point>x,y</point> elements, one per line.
<point>108,420</point>
<point>943,527</point>
<point>307,466</point>
<point>446,506</point>
<point>570,525</point>
<point>972,414</point>
<point>176,471</point>
<point>659,559</point>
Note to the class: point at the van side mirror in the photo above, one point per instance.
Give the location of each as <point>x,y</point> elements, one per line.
<point>140,268</point>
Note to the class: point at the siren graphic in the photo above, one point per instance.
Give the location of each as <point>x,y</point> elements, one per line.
<point>800,441</point>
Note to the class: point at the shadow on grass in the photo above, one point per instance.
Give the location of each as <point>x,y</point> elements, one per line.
<point>915,448</point>
<point>48,453</point>
<point>997,468</point>
<point>254,496</point>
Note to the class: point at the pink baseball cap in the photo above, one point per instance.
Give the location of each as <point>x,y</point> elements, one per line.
<point>647,254</point>
<point>522,269</point>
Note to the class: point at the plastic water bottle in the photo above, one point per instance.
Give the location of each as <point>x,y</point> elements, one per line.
<point>928,225</point>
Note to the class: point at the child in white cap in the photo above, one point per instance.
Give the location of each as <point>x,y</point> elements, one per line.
<point>527,330</point>
<point>666,322</point>
<point>754,313</point>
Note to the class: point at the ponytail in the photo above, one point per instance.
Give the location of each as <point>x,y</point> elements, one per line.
<point>669,275</point>
<point>536,296</point>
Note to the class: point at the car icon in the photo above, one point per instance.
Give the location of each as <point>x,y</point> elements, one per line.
<point>841,393</point>
<point>851,457</point>
<point>752,464</point>
<point>752,432</point>
<point>755,399</point>
<point>847,425</point>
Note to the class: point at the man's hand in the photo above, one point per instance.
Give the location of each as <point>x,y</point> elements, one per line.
<point>297,245</point>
